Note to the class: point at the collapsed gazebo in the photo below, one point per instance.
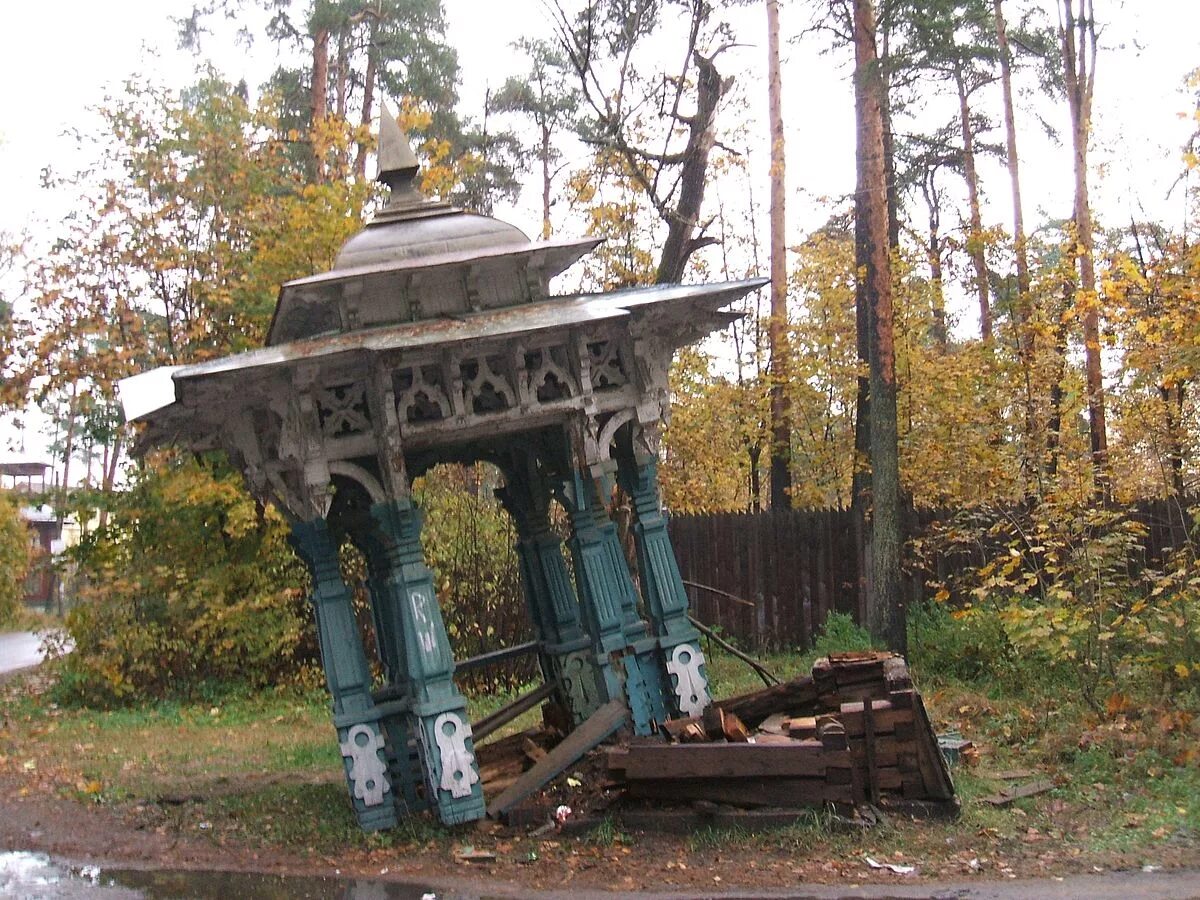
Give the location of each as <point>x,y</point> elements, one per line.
<point>435,339</point>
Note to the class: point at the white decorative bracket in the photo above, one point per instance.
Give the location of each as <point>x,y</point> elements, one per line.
<point>690,686</point>
<point>367,771</point>
<point>457,762</point>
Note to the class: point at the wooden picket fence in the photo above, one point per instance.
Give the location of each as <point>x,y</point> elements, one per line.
<point>769,579</point>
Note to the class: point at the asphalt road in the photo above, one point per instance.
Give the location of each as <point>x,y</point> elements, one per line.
<point>19,650</point>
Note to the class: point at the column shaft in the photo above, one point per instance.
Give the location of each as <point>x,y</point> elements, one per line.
<point>348,676</point>
<point>682,661</point>
<point>410,612</point>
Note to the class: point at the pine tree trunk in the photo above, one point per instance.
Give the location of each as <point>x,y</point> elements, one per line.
<point>933,254</point>
<point>1079,57</point>
<point>681,226</point>
<point>56,587</point>
<point>886,610</point>
<point>111,458</point>
<point>368,104</point>
<point>343,75</point>
<point>1024,304</point>
<point>1057,394</point>
<point>546,149</point>
<point>860,479</point>
<point>320,75</point>
<point>975,235</point>
<point>1020,248</point>
<point>1172,403</point>
<point>781,430</point>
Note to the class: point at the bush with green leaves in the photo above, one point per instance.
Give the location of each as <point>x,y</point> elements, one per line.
<point>967,645</point>
<point>14,558</point>
<point>190,583</point>
<point>468,540</point>
<point>840,634</point>
<point>1065,581</point>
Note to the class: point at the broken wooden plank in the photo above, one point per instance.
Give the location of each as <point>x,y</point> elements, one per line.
<point>734,730</point>
<point>803,727</point>
<point>713,722</point>
<point>689,729</point>
<point>740,792</point>
<point>798,696</point>
<point>934,772</point>
<point>684,761</point>
<point>885,718</point>
<point>774,724</point>
<point>602,723</point>
<point>869,743</point>
<point>766,737</point>
<point>832,733</point>
<point>850,658</point>
<point>1019,792</point>
<point>533,752</point>
<point>501,717</point>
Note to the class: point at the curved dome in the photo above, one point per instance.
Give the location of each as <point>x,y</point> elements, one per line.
<point>393,241</point>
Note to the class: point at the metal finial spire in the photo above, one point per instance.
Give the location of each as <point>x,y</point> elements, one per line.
<point>398,167</point>
<point>398,164</point>
<point>395,154</point>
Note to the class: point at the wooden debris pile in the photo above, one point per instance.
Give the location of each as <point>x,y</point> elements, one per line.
<point>853,732</point>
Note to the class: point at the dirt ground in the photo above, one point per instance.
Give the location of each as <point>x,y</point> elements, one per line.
<point>32,818</point>
<point>179,820</point>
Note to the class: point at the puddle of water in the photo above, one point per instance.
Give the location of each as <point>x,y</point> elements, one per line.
<point>36,875</point>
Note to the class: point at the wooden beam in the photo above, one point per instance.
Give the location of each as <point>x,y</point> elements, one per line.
<point>795,697</point>
<point>740,792</point>
<point>683,761</point>
<point>1018,792</point>
<point>602,723</point>
<point>506,714</point>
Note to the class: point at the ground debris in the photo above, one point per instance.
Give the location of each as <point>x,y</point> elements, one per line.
<point>852,733</point>
<point>1019,792</point>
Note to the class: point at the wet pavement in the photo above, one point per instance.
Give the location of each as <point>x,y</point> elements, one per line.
<point>19,650</point>
<point>37,876</point>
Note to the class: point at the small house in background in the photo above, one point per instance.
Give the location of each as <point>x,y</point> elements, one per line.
<point>27,479</point>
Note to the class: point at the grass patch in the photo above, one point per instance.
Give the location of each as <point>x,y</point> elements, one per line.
<point>262,770</point>
<point>607,834</point>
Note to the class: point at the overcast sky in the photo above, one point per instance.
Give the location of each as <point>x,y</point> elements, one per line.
<point>58,61</point>
<point>54,69</point>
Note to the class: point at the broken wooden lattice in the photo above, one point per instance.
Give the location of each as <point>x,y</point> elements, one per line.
<point>853,732</point>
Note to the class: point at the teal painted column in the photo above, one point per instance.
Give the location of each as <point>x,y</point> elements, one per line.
<point>553,604</point>
<point>409,611</point>
<point>394,700</point>
<point>609,599</point>
<point>360,736</point>
<point>662,586</point>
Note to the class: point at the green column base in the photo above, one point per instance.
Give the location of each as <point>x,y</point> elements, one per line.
<point>435,720</point>
<point>361,739</point>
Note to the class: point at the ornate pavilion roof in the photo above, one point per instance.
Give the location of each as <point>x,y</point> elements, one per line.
<point>422,284</point>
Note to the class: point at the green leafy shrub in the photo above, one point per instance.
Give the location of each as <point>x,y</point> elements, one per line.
<point>468,540</point>
<point>189,583</point>
<point>1066,582</point>
<point>14,558</point>
<point>967,645</point>
<point>840,634</point>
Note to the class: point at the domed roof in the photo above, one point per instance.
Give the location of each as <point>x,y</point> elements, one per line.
<point>396,240</point>
<point>411,226</point>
